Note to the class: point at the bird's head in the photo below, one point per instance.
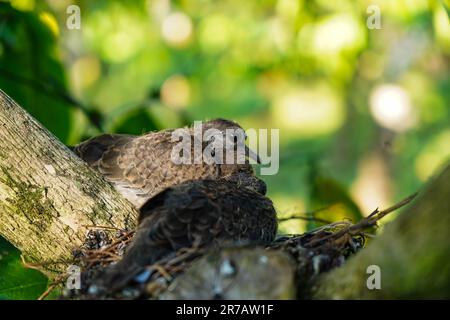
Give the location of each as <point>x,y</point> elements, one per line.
<point>231,135</point>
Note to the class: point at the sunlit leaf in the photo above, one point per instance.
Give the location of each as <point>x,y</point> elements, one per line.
<point>17,282</point>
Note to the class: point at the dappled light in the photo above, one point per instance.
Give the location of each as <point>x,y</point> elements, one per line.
<point>359,90</point>
<point>312,69</point>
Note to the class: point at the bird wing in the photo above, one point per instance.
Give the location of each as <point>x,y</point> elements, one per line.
<point>194,214</point>
<point>167,226</point>
<point>93,150</point>
<point>180,216</point>
<point>204,211</point>
<point>137,166</point>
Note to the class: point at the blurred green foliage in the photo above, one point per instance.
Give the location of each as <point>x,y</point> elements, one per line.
<point>29,62</point>
<point>363,113</point>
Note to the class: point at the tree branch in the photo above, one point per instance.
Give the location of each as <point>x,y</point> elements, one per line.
<point>412,254</point>
<point>48,196</point>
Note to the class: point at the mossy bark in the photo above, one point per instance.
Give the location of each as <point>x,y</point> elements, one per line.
<point>412,254</point>
<point>48,196</point>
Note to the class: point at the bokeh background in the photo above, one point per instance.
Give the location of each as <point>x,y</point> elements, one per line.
<point>364,114</point>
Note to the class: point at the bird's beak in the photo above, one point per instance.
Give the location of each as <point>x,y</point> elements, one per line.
<point>252,155</point>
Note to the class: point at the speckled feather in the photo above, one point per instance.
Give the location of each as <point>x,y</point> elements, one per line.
<point>200,213</point>
<point>140,166</point>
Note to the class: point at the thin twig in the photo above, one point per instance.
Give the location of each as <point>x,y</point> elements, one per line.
<point>365,223</point>
<point>104,253</point>
<point>100,255</point>
<point>308,216</point>
<point>47,292</point>
<point>402,203</point>
<point>103,227</point>
<point>124,238</point>
<point>52,286</point>
<point>39,266</point>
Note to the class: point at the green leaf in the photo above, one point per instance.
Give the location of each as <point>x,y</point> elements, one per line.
<point>331,200</point>
<point>17,282</point>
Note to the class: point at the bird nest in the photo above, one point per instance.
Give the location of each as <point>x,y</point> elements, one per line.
<point>312,253</point>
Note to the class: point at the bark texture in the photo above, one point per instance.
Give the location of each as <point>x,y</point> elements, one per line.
<point>49,197</point>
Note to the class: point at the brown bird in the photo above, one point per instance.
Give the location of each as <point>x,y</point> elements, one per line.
<point>200,214</point>
<point>141,166</point>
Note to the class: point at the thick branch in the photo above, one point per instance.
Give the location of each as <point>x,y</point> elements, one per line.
<point>412,254</point>
<point>48,196</point>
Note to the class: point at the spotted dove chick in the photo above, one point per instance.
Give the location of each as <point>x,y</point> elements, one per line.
<point>200,213</point>
<point>140,166</point>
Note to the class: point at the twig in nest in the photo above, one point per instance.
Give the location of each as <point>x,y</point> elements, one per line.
<point>331,226</point>
<point>95,257</point>
<point>364,223</point>
<point>123,238</point>
<point>169,267</point>
<point>99,255</point>
<point>102,227</point>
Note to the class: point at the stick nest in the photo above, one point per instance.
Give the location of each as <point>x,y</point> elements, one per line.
<point>313,253</point>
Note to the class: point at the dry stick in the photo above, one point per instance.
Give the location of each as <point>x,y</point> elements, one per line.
<point>93,255</point>
<point>329,226</point>
<point>167,267</point>
<point>105,253</point>
<point>47,292</point>
<point>367,222</point>
<point>39,266</point>
<point>123,238</point>
<point>405,201</point>
<point>103,227</point>
<point>50,288</point>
